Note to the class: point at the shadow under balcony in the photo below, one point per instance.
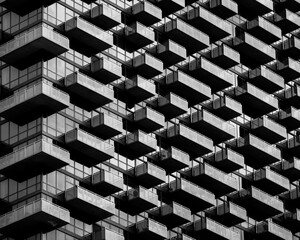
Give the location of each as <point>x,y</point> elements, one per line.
<point>257,153</point>
<point>228,214</point>
<point>136,144</point>
<point>40,99</point>
<point>264,128</point>
<point>172,215</point>
<point>188,140</point>
<point>40,216</point>
<point>225,107</point>
<point>210,125</point>
<point>226,160</point>
<point>136,200</point>
<point>36,44</point>
<point>268,181</point>
<point>215,27</point>
<point>255,102</point>
<point>212,75</point>
<point>223,8</point>
<point>259,205</point>
<point>289,169</point>
<point>87,92</point>
<point>212,179</point>
<point>188,194</point>
<point>87,149</point>
<point>104,17</point>
<point>85,37</point>
<point>33,159</point>
<point>186,87</point>
<point>87,206</point>
<point>104,183</point>
<point>170,159</point>
<point>23,7</point>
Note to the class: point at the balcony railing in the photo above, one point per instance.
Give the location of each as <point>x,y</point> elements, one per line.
<point>26,48</point>
<point>38,157</point>
<point>40,99</point>
<point>32,218</point>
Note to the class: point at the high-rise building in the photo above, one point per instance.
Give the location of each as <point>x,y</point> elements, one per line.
<point>149,120</point>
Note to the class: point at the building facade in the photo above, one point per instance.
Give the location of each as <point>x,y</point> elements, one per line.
<point>151,119</point>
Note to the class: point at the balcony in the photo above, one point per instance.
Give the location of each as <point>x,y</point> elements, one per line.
<point>148,119</point>
<point>145,13</point>
<point>105,126</point>
<point>224,56</point>
<point>169,6</point>
<point>171,159</point>
<point>225,108</point>
<point>263,30</point>
<point>86,38</point>
<point>190,195</point>
<point>137,200</point>
<point>170,52</point>
<point>27,104</point>
<point>86,92</point>
<point>186,35</point>
<point>102,233</point>
<point>188,140</point>
<point>104,183</point>
<point>25,6</point>
<point>254,8</point>
<point>270,230</point>
<point>33,159</point>
<point>149,175</point>
<point>291,96</point>
<point>136,144</point>
<point>212,179</point>
<point>286,20</point>
<point>228,214</point>
<point>257,152</point>
<point>288,169</point>
<point>268,181</point>
<point>215,27</point>
<point>181,237</point>
<point>170,105</point>
<point>259,205</point>
<point>288,69</point>
<point>290,47</point>
<point>149,229</point>
<point>264,128</point>
<point>223,8</point>
<point>36,44</point>
<point>103,70</point>
<point>293,5</point>
<point>255,101</point>
<point>289,118</point>
<point>32,218</point>
<point>253,51</point>
<point>134,36</point>
<point>92,149</point>
<point>104,17</point>
<point>226,160</point>
<point>291,146</point>
<point>210,125</point>
<point>187,87</point>
<point>135,90</point>
<point>291,199</point>
<point>212,75</point>
<point>209,229</point>
<point>289,220</point>
<point>172,215</point>
<point>88,206</point>
<point>265,79</point>
<point>146,65</point>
